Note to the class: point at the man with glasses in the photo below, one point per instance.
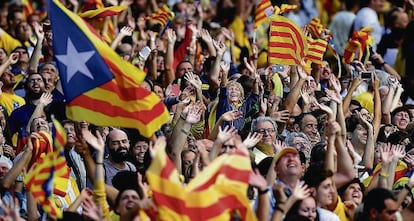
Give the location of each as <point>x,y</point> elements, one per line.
<point>268,128</point>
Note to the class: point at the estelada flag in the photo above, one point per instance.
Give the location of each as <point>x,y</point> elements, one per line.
<point>99,86</point>
<point>214,194</point>
<point>287,43</point>
<point>162,15</point>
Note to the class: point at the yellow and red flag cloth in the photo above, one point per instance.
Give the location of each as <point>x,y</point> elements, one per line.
<point>287,43</point>
<point>99,86</point>
<point>214,194</point>
<point>359,45</point>
<point>40,180</point>
<point>315,27</point>
<point>263,9</point>
<point>103,12</point>
<point>28,8</point>
<point>162,15</point>
<point>41,146</point>
<point>316,50</point>
<point>284,8</point>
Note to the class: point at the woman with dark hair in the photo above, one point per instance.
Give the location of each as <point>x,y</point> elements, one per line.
<point>305,209</point>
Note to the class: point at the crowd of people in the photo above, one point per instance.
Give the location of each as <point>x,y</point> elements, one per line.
<point>332,144</point>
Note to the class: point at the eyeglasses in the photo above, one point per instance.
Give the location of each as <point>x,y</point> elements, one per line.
<point>263,130</point>
<point>228,146</point>
<point>34,80</point>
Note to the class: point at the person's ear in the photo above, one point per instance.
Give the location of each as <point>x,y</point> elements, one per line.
<point>296,127</point>
<point>312,191</point>
<point>373,213</point>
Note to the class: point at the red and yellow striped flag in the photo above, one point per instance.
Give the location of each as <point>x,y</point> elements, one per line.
<point>108,91</point>
<point>315,27</point>
<point>103,12</point>
<point>260,14</point>
<point>316,50</point>
<point>359,45</point>
<point>162,15</point>
<point>40,180</point>
<point>27,8</point>
<point>287,43</point>
<point>214,194</point>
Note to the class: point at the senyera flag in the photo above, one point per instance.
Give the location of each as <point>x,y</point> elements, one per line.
<point>99,86</point>
<point>287,43</point>
<point>263,10</point>
<point>216,193</point>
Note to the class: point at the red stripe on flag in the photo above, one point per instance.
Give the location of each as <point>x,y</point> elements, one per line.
<point>231,174</point>
<point>297,35</point>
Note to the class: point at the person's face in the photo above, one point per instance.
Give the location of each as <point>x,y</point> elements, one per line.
<point>387,214</point>
<point>4,169</point>
<point>228,147</point>
<point>188,158</point>
<point>139,150</point>
<point>23,55</point>
<point>268,131</point>
<point>366,115</point>
<point>128,202</point>
<point>353,193</point>
<point>158,91</point>
<point>289,165</point>
<point>24,31</point>
<point>184,68</point>
<point>8,79</point>
<point>302,145</point>
<point>307,208</point>
<point>309,126</point>
<point>3,56</point>
<point>36,83</point>
<point>39,124</point>
<point>310,81</point>
<point>326,71</point>
<point>402,19</point>
<point>49,73</point>
<point>378,5</point>
<point>118,141</point>
<point>324,193</point>
<point>145,85</point>
<point>401,120</point>
<point>2,120</point>
<point>18,17</point>
<point>70,133</point>
<point>360,134</point>
<point>234,94</point>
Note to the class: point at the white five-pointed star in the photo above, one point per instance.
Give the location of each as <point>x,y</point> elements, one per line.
<point>75,61</point>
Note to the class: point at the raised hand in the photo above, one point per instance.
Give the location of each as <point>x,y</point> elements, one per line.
<point>225,67</point>
<point>231,115</point>
<point>336,85</point>
<point>46,98</point>
<point>126,31</point>
<point>252,139</point>
<point>228,34</point>
<point>257,180</point>
<point>96,142</point>
<point>280,116</point>
<point>220,47</point>
<point>263,104</point>
<point>194,113</point>
<point>333,96</point>
<point>278,146</point>
<point>301,191</point>
<point>38,29</point>
<point>398,152</point>
<point>205,36</point>
<point>386,153</point>
<point>13,58</point>
<point>193,79</point>
<point>226,134</point>
<point>160,142</point>
<point>10,210</point>
<point>250,67</point>
<point>171,36</point>
<point>91,210</point>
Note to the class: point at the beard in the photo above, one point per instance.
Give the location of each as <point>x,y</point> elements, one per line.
<point>118,156</point>
<point>33,96</point>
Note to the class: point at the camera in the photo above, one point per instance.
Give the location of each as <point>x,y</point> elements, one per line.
<point>277,68</point>
<point>366,75</point>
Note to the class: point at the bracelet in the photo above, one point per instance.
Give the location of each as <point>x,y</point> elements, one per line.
<point>384,174</point>
<point>382,64</point>
<point>262,192</point>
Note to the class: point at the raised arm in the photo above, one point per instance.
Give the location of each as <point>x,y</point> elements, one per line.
<point>169,57</point>
<point>293,97</point>
<point>34,59</point>
<point>44,100</point>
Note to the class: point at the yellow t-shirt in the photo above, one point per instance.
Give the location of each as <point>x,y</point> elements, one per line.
<point>11,102</point>
<point>340,210</point>
<point>8,42</point>
<point>237,26</point>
